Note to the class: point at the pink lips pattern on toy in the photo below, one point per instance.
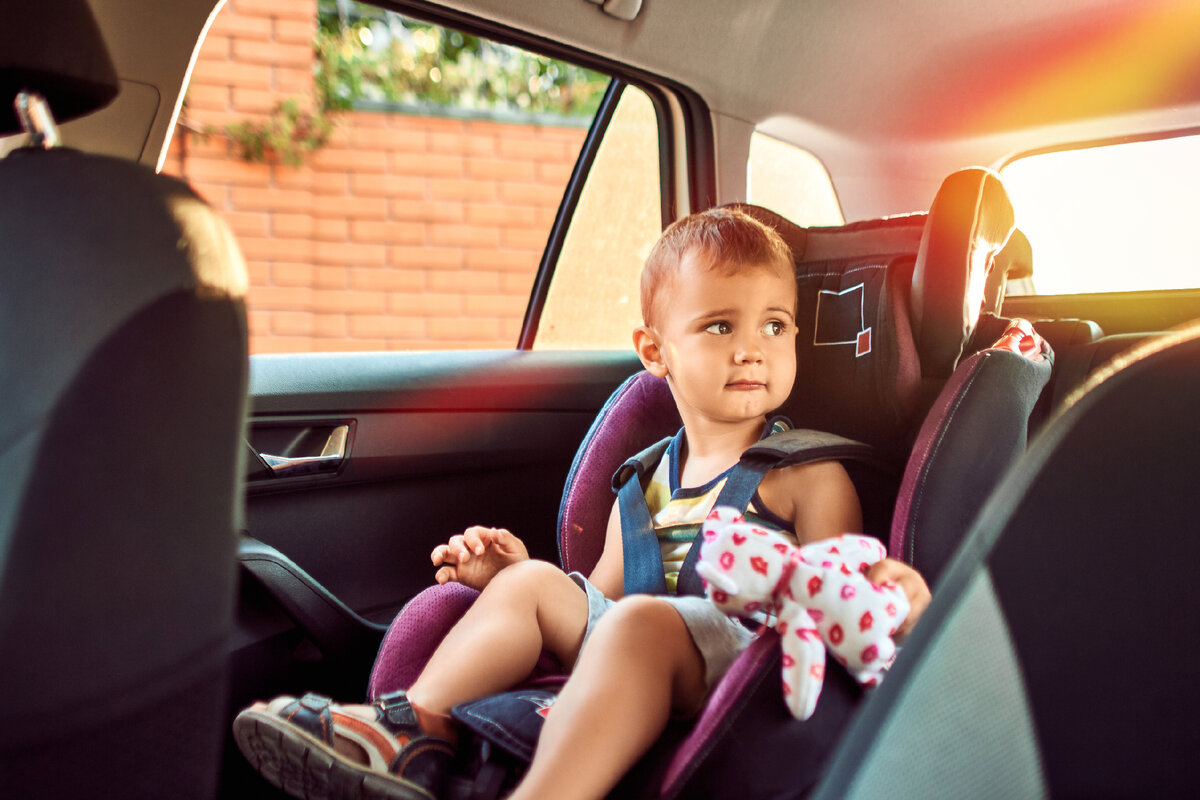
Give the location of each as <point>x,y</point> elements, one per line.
<point>819,593</point>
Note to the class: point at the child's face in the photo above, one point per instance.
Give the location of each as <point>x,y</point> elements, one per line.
<point>727,343</point>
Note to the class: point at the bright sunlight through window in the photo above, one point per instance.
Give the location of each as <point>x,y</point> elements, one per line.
<point>1116,218</point>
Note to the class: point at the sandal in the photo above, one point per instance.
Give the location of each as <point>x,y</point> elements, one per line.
<point>291,743</point>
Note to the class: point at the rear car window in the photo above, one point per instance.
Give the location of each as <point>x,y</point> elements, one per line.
<point>392,182</point>
<point>1108,218</point>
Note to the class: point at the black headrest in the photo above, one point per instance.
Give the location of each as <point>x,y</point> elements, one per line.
<point>54,49</point>
<point>969,223</point>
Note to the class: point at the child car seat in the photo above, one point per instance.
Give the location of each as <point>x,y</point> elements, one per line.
<point>1051,661</point>
<point>861,374</point>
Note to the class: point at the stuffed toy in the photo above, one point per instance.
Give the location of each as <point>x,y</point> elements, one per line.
<point>818,594</point>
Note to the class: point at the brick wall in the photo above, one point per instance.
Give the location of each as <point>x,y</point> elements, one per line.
<point>405,232</point>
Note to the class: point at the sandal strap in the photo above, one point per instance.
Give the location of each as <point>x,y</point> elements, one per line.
<point>311,714</point>
<point>398,715</point>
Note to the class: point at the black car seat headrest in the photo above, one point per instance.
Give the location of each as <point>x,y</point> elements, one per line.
<point>1013,263</point>
<point>969,222</point>
<point>56,51</point>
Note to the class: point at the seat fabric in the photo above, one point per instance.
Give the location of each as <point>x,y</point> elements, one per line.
<point>123,377</point>
<point>1049,662</point>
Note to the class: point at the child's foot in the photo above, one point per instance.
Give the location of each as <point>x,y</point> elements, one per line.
<point>318,750</point>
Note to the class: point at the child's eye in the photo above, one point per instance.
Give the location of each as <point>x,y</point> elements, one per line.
<point>719,328</point>
<point>774,328</point>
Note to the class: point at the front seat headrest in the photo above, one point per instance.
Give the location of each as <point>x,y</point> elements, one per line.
<point>75,75</point>
<point>969,222</point>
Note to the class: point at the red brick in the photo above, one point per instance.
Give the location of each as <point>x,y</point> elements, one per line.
<point>426,257</point>
<point>349,253</point>
<point>350,207</point>
<point>555,172</point>
<point>296,30</point>
<point>510,329</point>
<point>228,72</point>
<point>248,223</point>
<point>225,170</point>
<point>350,160</point>
<point>254,100</point>
<point>502,215</point>
<point>347,345</point>
<point>425,304</point>
<point>217,46</point>
<point>292,323</point>
<point>502,169</point>
<point>284,224</point>
<point>292,80</point>
<point>458,189</point>
<point>258,322</point>
<point>458,328</point>
<point>215,194</point>
<point>447,142</point>
<point>331,230</point>
<point>388,232</point>
<point>281,344</point>
<point>276,248</point>
<point>230,23</point>
<point>411,186</point>
<point>206,96</point>
<point>287,298</point>
<point>354,302</point>
<point>385,325</point>
<point>533,239</point>
<point>287,176</point>
<point>384,138</point>
<point>368,119</point>
<point>440,164</point>
<point>284,9</point>
<point>532,194</point>
<point>503,260</point>
<point>245,197</point>
<point>465,281</point>
<point>249,51</point>
<point>480,145</point>
<point>335,277</point>
<point>331,182</point>
<point>287,273</point>
<point>532,149</point>
<point>417,210</point>
<point>330,325</point>
<point>495,305</point>
<point>465,235</point>
<point>258,272</point>
<point>518,282</point>
<point>387,279</point>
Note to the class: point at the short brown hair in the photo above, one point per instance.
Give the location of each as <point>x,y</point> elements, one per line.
<point>730,239</point>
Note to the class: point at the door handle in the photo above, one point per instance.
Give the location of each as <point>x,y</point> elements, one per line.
<point>329,459</point>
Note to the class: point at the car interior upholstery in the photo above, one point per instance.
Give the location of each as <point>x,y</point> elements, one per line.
<point>123,323</point>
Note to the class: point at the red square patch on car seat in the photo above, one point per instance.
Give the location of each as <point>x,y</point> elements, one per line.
<point>862,344</point>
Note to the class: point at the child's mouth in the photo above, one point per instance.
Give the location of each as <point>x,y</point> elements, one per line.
<point>745,386</point>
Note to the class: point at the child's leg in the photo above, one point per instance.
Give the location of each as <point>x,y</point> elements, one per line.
<point>528,606</point>
<point>639,665</point>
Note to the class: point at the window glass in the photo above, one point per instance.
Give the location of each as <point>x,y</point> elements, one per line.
<point>392,183</point>
<point>1113,218</point>
<point>594,296</point>
<point>790,181</point>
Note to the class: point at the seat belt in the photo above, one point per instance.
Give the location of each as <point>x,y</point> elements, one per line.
<point>641,553</point>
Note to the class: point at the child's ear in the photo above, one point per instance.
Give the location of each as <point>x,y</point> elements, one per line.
<point>645,342</point>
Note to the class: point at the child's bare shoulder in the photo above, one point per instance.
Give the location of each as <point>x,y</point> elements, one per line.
<point>816,494</point>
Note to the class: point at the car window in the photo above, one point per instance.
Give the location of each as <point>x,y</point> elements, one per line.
<point>1110,218</point>
<point>593,300</point>
<point>790,181</point>
<point>392,183</point>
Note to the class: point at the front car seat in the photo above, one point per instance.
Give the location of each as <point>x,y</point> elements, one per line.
<point>1055,658</point>
<point>123,380</point>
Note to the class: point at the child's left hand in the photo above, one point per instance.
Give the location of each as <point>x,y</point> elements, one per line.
<point>889,570</point>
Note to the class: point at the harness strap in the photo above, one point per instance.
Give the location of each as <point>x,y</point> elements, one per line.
<point>642,555</point>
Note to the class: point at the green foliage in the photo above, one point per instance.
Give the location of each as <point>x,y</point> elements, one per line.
<point>370,54</point>
<point>365,53</point>
<point>289,133</point>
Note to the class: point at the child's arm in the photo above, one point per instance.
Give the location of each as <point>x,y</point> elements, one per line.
<point>474,556</point>
<point>609,574</point>
<point>821,501</point>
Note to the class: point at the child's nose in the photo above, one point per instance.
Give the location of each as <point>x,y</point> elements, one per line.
<point>748,352</point>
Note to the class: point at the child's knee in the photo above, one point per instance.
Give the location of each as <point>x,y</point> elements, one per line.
<point>646,617</point>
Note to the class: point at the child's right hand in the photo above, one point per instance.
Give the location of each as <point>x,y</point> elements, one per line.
<point>474,556</point>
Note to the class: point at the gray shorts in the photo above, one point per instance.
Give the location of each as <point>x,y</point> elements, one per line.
<point>718,637</point>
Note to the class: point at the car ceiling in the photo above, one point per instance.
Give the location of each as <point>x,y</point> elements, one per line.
<point>892,96</point>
